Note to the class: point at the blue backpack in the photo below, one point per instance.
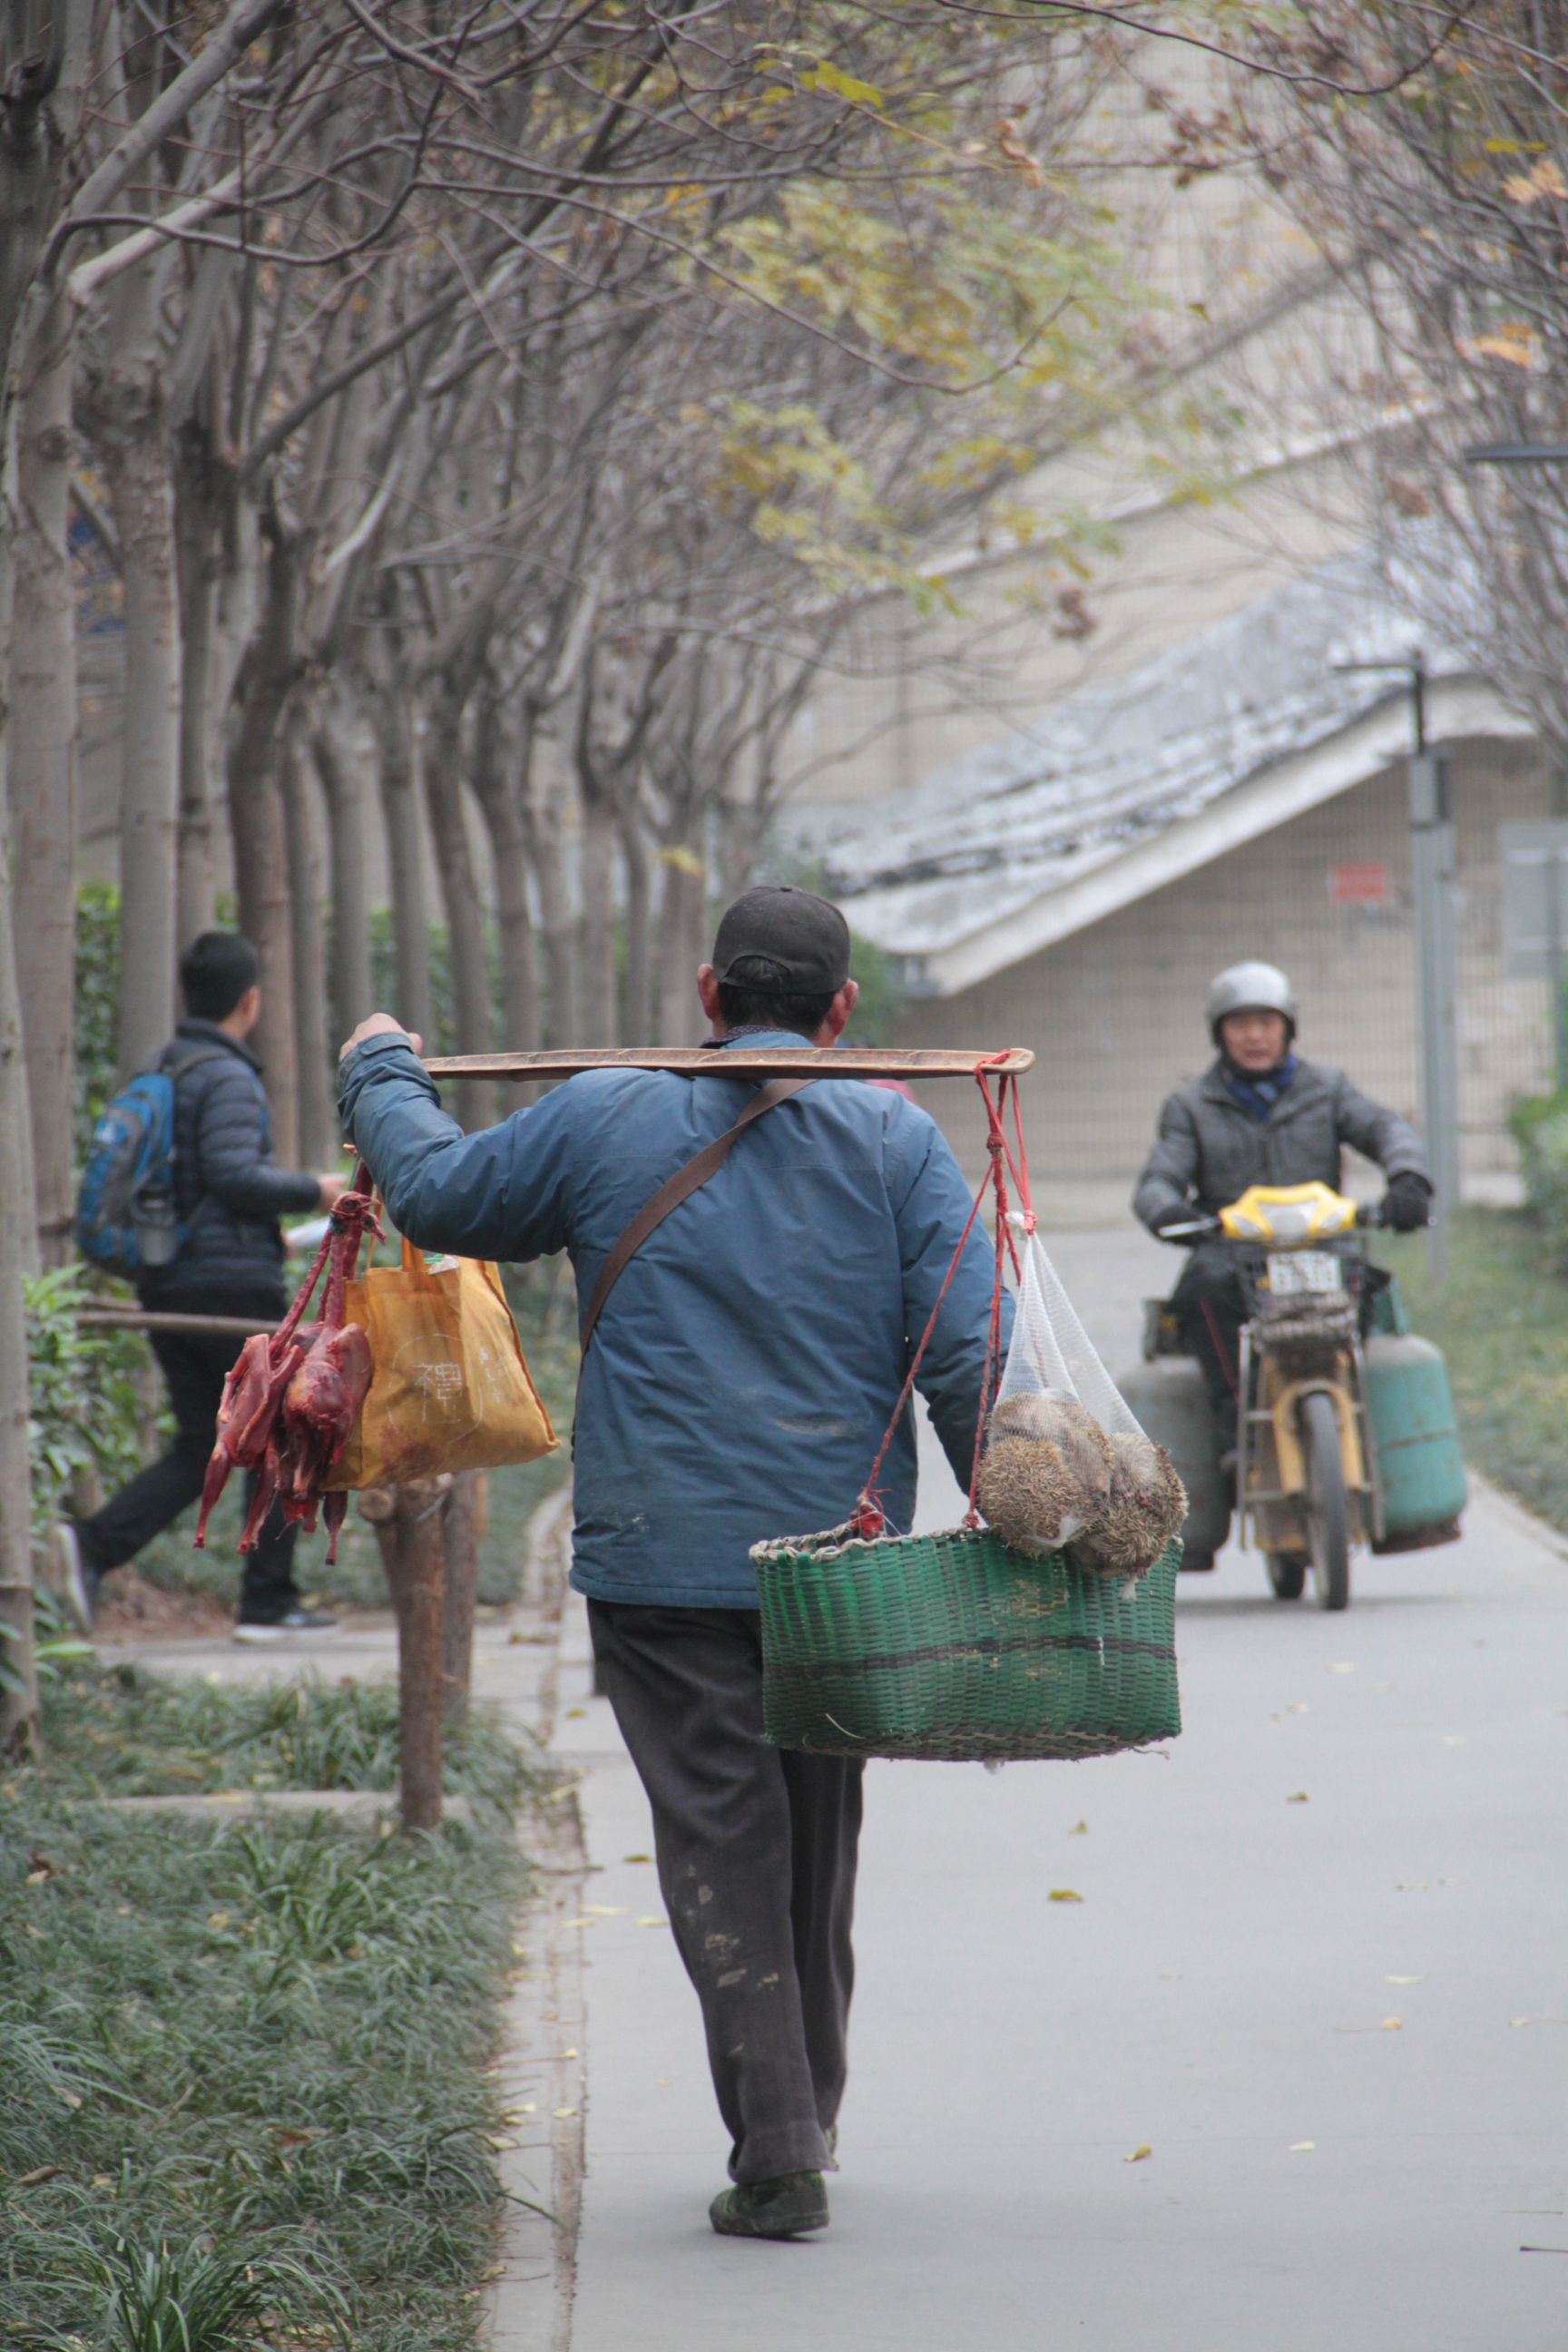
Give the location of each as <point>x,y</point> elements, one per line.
<point>125,1220</point>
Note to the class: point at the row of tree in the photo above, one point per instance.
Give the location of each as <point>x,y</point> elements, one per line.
<point>496,413</point>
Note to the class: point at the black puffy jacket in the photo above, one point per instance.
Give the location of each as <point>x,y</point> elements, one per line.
<point>226,1184</point>
<point>1209,1149</point>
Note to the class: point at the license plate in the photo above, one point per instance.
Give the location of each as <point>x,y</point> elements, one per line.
<point>1304,1270</point>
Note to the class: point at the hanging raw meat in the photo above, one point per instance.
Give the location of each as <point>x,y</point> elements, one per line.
<point>290,1402</point>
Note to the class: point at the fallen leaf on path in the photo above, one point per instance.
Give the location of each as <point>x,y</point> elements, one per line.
<point>1403,1980</point>
<point>1391,2025</point>
<point>1302,2147</point>
<point>1298,1797</point>
<point>1139,2153</point>
<point>573,1713</point>
<point>1298,1707</point>
<point>1064,1894</point>
<point>606,1910</point>
<point>649,1919</point>
<point>1411,1886</point>
<point>40,2173</point>
<point>563,2113</point>
<point>1079,1829</point>
<point>636,1857</point>
<point>1344,1669</point>
<point>569,2054</point>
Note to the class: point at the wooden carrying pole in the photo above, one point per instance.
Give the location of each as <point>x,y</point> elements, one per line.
<point>741,1062</point>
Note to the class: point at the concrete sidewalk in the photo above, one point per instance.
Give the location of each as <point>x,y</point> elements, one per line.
<point>1318,1970</point>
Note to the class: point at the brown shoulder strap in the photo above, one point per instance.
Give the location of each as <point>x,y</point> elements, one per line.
<point>676,1188</point>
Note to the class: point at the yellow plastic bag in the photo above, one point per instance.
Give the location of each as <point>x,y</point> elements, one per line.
<point>450,1389</point>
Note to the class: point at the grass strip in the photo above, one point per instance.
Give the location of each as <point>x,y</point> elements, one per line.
<point>1501,1320</point>
<point>247,2096</point>
<point>120,1731</point>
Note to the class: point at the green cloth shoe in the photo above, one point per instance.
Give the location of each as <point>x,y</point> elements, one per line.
<point>786,2208</point>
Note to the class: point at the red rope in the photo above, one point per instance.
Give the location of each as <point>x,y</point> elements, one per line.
<point>868,1518</point>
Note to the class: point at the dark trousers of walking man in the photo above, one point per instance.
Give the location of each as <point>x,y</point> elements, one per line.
<point>756,1851</point>
<point>194,1366</point>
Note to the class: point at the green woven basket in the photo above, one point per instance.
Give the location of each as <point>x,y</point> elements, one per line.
<point>954,1646</point>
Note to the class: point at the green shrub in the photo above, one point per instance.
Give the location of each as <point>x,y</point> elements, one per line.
<point>1539,1126</point>
<point>85,1410</point>
<point>97,1005</point>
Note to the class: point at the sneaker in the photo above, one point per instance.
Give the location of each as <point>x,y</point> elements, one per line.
<point>299,1619</point>
<point>70,1578</point>
<point>788,2206</point>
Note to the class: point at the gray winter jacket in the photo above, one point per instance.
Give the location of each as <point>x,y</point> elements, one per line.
<point>227,1187</point>
<point>1209,1149</point>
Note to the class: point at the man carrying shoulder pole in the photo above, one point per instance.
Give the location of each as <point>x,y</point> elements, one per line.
<point>746,1339</point>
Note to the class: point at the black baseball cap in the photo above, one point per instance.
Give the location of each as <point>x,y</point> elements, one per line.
<point>780,941</point>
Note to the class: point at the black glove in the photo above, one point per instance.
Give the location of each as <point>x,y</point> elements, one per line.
<point>1407,1204</point>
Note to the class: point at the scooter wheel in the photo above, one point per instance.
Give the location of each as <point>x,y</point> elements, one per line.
<point>1328,1505</point>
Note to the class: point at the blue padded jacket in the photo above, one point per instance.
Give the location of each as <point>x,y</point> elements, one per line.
<point>751,1353</point>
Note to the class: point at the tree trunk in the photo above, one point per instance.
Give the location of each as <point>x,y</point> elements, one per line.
<point>42,767</point>
<point>195,540</point>
<point>18,1705</point>
<point>255,822</point>
<point>18,1233</point>
<point>598,964</point>
<point>471,1011</point>
<point>131,411</point>
<point>543,828</point>
<point>309,960</point>
<point>682,946</point>
<point>499,796</point>
<point>414,1005</point>
<point>411,1552</point>
<point>462,1527</point>
<point>342,788</point>
<point>636,1015</point>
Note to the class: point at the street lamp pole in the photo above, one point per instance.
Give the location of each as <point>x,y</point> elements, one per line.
<point>1432,875</point>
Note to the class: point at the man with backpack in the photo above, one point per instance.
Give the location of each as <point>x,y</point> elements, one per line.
<point>182,1194</point>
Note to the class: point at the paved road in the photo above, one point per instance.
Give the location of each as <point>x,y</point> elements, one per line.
<point>1322,2178</point>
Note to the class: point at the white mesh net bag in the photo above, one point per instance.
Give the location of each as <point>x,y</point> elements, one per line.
<point>1064,1462</point>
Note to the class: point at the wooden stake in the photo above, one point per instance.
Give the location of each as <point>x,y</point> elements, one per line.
<point>408,1523</point>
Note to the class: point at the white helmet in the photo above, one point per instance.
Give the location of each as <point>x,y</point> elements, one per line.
<point>1249,988</point>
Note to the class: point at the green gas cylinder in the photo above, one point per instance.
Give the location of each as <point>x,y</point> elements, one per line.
<point>1410,1413</point>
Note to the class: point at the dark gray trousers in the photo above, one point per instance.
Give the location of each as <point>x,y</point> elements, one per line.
<point>756,1850</point>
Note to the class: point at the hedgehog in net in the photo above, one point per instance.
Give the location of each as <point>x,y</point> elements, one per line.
<point>1145,1508</point>
<point>1046,1472</point>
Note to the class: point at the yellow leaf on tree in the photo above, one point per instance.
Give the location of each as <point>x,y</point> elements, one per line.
<point>824,75</point>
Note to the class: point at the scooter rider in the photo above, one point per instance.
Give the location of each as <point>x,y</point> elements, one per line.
<point>1260,1115</point>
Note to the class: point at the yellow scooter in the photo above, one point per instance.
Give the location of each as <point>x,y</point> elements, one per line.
<point>1306,1468</point>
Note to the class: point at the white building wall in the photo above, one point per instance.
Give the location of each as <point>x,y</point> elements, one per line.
<point>1114,1014</point>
